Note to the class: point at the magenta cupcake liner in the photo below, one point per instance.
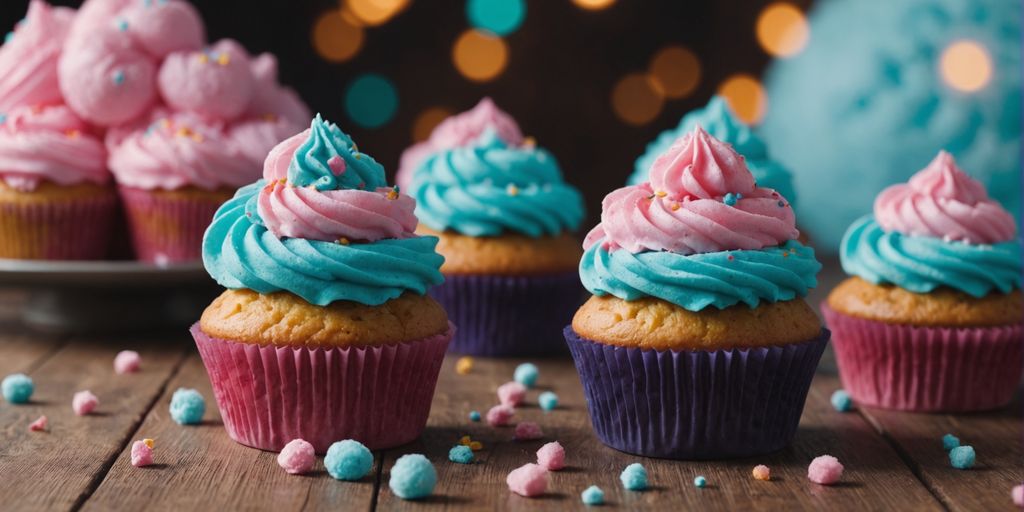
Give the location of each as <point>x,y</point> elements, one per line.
<point>72,229</point>
<point>702,404</point>
<point>509,315</point>
<point>167,228</point>
<point>270,395</point>
<point>926,369</point>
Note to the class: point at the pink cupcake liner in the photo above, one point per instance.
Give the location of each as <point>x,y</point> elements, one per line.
<point>270,395</point>
<point>77,229</point>
<point>926,369</point>
<point>167,229</point>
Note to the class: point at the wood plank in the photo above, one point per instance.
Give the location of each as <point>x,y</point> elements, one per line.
<point>23,353</point>
<point>876,478</point>
<point>56,470</point>
<point>201,468</point>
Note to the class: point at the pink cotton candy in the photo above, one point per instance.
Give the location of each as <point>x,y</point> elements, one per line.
<point>84,402</point>
<point>297,457</point>
<point>527,430</point>
<point>825,470</point>
<point>551,456</point>
<point>499,415</point>
<point>511,393</point>
<point>1018,495</point>
<point>126,361</point>
<point>529,480</point>
<point>142,454</point>
<point>39,424</point>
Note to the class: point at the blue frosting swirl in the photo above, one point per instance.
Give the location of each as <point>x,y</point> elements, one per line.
<point>694,282</point>
<point>239,252</point>
<point>719,121</point>
<point>309,165</point>
<point>921,264</point>
<point>490,187</point>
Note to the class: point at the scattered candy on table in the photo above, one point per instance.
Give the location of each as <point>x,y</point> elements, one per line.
<point>592,495</point>
<point>551,456</point>
<point>84,402</point>
<point>634,477</point>
<point>548,400</point>
<point>500,415</point>
<point>700,482</point>
<point>127,361</point>
<point>348,460</point>
<point>511,393</point>
<point>474,416</point>
<point>1018,495</point>
<point>39,424</point>
<point>527,431</point>
<point>529,480</point>
<point>463,365</point>
<point>187,406</point>
<point>526,374</point>
<point>412,477</point>
<point>142,453</point>
<point>297,457</point>
<point>17,388</point>
<point>841,401</point>
<point>461,454</point>
<point>762,472</point>
<point>962,457</point>
<point>949,441</point>
<point>825,470</point>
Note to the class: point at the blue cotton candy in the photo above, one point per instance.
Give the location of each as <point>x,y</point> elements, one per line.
<point>548,400</point>
<point>592,495</point>
<point>187,407</point>
<point>949,441</point>
<point>700,482</point>
<point>962,457</point>
<point>17,388</point>
<point>526,374</point>
<point>634,477</point>
<point>474,416</point>
<point>412,477</point>
<point>460,454</point>
<point>841,401</point>
<point>348,460</point>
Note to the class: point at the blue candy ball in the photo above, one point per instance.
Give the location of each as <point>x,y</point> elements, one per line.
<point>949,441</point>
<point>841,401</point>
<point>187,407</point>
<point>962,457</point>
<point>474,416</point>
<point>548,400</point>
<point>700,482</point>
<point>412,477</point>
<point>348,460</point>
<point>526,374</point>
<point>460,454</point>
<point>17,388</point>
<point>634,477</point>
<point>592,495</point>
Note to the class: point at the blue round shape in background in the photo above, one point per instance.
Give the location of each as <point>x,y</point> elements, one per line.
<point>371,100</point>
<point>502,17</point>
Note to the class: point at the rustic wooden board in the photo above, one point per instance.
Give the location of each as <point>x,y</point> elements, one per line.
<point>58,469</point>
<point>23,353</point>
<point>200,468</point>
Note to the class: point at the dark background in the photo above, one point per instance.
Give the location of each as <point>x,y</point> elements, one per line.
<point>563,64</point>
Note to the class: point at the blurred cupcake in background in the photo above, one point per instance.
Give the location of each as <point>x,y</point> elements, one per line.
<point>932,318</point>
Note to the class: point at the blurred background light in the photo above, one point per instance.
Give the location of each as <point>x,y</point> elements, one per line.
<point>501,17</point>
<point>427,120</point>
<point>746,97</point>
<point>373,12</point>
<point>593,5</point>
<point>479,56</point>
<point>371,100</point>
<point>966,66</point>
<point>336,37</point>
<point>676,71</point>
<point>636,99</point>
<point>782,29</point>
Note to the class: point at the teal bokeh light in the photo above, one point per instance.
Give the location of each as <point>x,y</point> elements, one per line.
<point>371,100</point>
<point>501,17</point>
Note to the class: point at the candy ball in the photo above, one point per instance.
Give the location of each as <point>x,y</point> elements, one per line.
<point>461,454</point>
<point>527,431</point>
<point>949,441</point>
<point>841,401</point>
<point>962,457</point>
<point>700,482</point>
<point>84,402</point>
<point>127,361</point>
<point>142,453</point>
<point>511,393</point>
<point>474,416</point>
<point>551,456</point>
<point>499,415</point>
<point>762,472</point>
<point>1017,494</point>
<point>17,388</point>
<point>634,477</point>
<point>412,477</point>
<point>187,407</point>
<point>592,495</point>
<point>529,480</point>
<point>348,460</point>
<point>297,457</point>
<point>526,374</point>
<point>548,400</point>
<point>825,470</point>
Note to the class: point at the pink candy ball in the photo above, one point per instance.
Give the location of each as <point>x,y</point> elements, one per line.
<point>762,472</point>
<point>107,81</point>
<point>297,457</point>
<point>127,361</point>
<point>551,456</point>
<point>527,430</point>
<point>84,402</point>
<point>39,424</point>
<point>1018,495</point>
<point>142,454</point>
<point>529,480</point>
<point>164,27</point>
<point>825,470</point>
<point>499,415</point>
<point>216,85</point>
<point>511,393</point>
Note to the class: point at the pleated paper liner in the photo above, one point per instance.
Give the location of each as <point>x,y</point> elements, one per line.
<point>64,229</point>
<point>168,227</point>
<point>926,369</point>
<point>509,315</point>
<point>703,404</point>
<point>270,395</point>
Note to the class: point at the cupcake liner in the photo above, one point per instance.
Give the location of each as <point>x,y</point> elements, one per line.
<point>926,369</point>
<point>509,315</point>
<point>63,229</point>
<point>269,395</point>
<point>702,404</point>
<point>167,228</point>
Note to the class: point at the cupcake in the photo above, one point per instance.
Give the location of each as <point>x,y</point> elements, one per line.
<point>697,343</point>
<point>504,217</point>
<point>932,318</point>
<point>325,331</point>
<point>718,119</point>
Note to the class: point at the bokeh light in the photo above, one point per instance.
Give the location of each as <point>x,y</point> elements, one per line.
<point>479,56</point>
<point>427,120</point>
<point>593,5</point>
<point>966,66</point>
<point>501,17</point>
<point>374,12</point>
<point>746,97</point>
<point>335,37</point>
<point>782,29</point>
<point>676,70</point>
<point>371,100</point>
<point>636,99</point>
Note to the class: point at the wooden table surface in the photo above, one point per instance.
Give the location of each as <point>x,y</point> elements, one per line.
<point>894,461</point>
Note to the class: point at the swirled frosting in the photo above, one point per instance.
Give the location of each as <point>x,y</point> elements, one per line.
<point>718,119</point>
<point>28,59</point>
<point>215,83</point>
<point>49,143</point>
<point>492,187</point>
<point>944,202</point>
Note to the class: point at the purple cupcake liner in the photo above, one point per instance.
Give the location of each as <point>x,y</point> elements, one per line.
<point>696,404</point>
<point>509,315</point>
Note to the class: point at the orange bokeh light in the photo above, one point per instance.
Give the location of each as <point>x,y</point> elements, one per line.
<point>676,70</point>
<point>593,5</point>
<point>746,96</point>
<point>374,12</point>
<point>479,56</point>
<point>335,37</point>
<point>966,66</point>
<point>426,121</point>
<point>782,29</point>
<point>636,99</point>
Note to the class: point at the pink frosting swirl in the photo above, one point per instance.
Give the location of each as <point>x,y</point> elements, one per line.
<point>942,201</point>
<point>269,97</point>
<point>164,27</point>
<point>28,62</point>
<point>177,151</point>
<point>49,143</point>
<point>331,215</point>
<point>701,198</point>
<point>217,84</point>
